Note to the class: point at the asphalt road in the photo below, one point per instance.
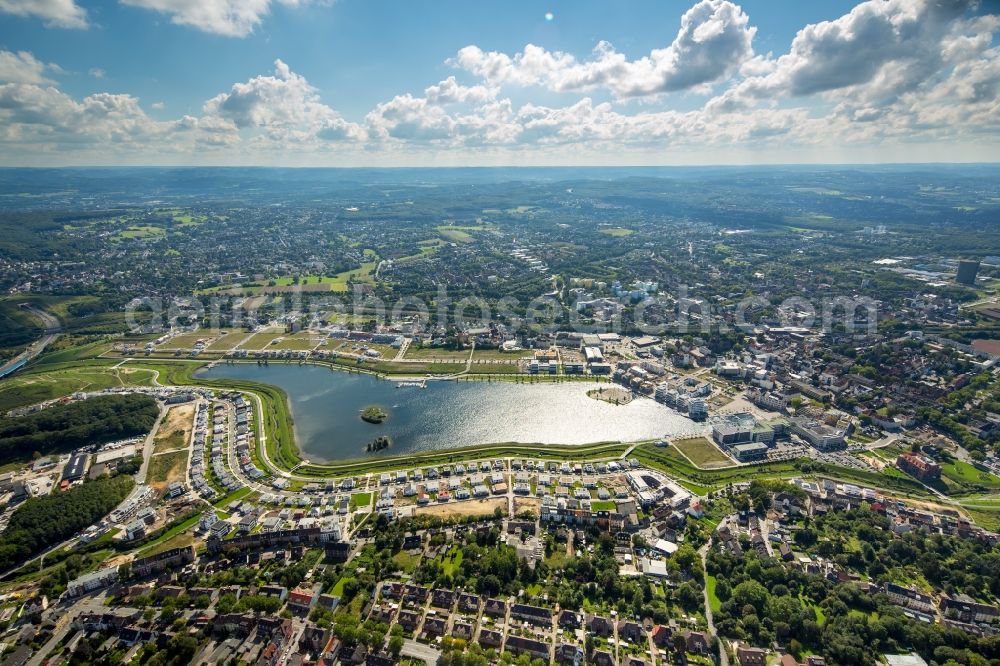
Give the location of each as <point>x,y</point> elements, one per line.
<point>415,650</point>
<point>52,328</point>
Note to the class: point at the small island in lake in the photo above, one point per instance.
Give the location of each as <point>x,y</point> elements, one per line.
<point>379,443</point>
<point>374,414</point>
<point>614,395</point>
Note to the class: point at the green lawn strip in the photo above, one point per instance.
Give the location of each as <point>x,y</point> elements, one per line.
<point>462,454</point>
<point>232,497</point>
<point>820,615</point>
<point>417,352</point>
<point>398,368</point>
<point>56,560</point>
<point>713,601</point>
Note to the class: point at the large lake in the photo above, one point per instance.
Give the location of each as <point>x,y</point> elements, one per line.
<point>326,406</point>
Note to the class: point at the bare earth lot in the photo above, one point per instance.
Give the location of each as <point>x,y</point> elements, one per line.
<point>526,504</point>
<point>466,508</point>
<point>166,468</point>
<point>175,430</point>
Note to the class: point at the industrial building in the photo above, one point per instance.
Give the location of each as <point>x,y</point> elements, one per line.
<point>967,271</point>
<point>75,468</point>
<point>818,434</point>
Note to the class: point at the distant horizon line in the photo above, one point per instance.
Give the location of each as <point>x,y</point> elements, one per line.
<point>512,166</point>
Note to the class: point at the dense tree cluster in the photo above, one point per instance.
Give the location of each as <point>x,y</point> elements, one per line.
<point>179,649</point>
<point>352,631</point>
<point>61,428</point>
<point>763,601</point>
<point>42,522</point>
<point>962,406</point>
<point>950,564</point>
<point>458,652</point>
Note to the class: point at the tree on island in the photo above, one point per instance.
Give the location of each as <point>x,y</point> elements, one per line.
<point>374,414</point>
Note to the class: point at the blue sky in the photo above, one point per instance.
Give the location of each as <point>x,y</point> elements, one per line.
<point>360,82</point>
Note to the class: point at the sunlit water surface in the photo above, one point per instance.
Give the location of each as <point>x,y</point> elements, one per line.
<point>326,406</point>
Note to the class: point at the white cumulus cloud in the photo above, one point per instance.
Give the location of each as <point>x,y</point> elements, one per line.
<point>21,67</point>
<point>878,51</point>
<point>284,104</point>
<point>55,13</point>
<point>892,79</point>
<point>714,40</point>
<point>231,18</point>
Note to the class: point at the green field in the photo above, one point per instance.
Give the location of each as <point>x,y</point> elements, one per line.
<point>457,233</point>
<point>336,282</point>
<point>227,339</point>
<point>406,561</point>
<point>188,220</point>
<point>263,339</point>
<point>361,499</point>
<point>965,474</point>
<point>427,248</point>
<point>414,351</point>
<point>30,386</point>
<point>67,349</point>
<point>298,342</point>
<point>363,274</point>
<point>142,232</point>
<point>702,452</point>
<point>617,232</point>
<point>338,589</point>
<point>488,368</point>
<point>188,340</point>
<point>169,442</point>
<point>497,355</point>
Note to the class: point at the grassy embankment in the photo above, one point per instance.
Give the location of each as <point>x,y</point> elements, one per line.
<point>604,450</point>
<point>673,463</point>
